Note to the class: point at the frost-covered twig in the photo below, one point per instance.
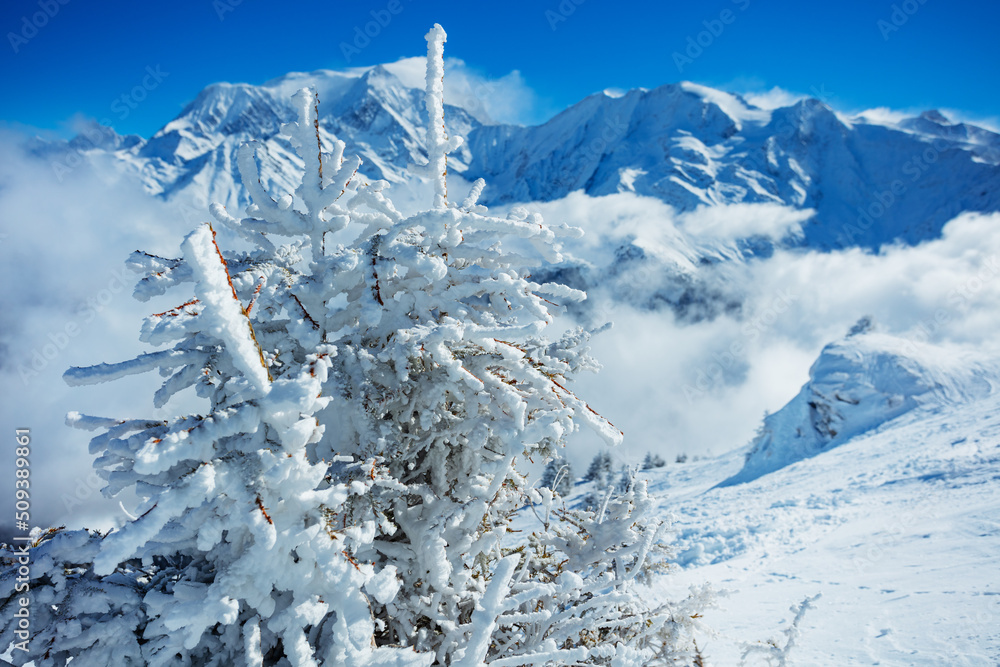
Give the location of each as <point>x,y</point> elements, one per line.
<point>778,655</point>
<point>438,142</point>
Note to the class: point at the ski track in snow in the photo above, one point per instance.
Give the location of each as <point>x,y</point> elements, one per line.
<point>898,529</point>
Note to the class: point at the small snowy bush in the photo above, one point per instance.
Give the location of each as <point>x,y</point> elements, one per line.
<point>347,495</point>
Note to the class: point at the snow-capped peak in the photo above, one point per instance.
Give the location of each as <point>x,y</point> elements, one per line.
<point>935,116</point>
<point>687,144</point>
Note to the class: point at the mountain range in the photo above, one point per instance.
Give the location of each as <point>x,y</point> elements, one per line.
<point>866,180</point>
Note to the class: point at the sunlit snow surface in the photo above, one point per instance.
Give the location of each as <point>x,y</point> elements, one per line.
<point>897,528</point>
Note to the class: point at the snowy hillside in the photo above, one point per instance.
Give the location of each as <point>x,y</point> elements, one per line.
<point>895,527</point>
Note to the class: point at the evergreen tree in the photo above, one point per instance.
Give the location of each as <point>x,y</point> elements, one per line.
<point>345,499</point>
<point>600,470</point>
<point>626,480</point>
<point>558,476</point>
<point>652,461</point>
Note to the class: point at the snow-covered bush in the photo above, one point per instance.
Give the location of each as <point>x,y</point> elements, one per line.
<point>346,497</point>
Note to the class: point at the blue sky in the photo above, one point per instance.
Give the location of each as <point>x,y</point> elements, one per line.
<point>64,58</point>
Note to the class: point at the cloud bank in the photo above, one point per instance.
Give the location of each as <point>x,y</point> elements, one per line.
<point>694,386</point>
<point>681,387</point>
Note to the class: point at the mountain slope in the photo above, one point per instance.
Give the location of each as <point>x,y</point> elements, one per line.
<point>895,527</point>
<point>193,157</point>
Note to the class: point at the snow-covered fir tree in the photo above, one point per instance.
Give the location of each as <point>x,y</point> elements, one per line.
<point>653,461</point>
<point>558,476</point>
<point>346,496</point>
<point>626,480</point>
<point>601,469</point>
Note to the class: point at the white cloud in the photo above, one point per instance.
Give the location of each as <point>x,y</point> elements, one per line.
<point>679,387</point>
<point>754,91</point>
<point>891,117</point>
<point>774,98</point>
<point>67,301</point>
<point>884,116</point>
<point>946,289</point>
<point>991,123</point>
<point>505,99</point>
<point>738,221</point>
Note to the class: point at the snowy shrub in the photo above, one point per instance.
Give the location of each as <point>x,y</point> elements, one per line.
<point>347,495</point>
<point>771,651</point>
<point>73,613</point>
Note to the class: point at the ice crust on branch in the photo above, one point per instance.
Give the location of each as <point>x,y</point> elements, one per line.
<point>438,142</point>
<point>225,317</point>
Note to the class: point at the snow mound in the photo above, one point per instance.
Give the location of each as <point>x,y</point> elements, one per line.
<point>856,385</point>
